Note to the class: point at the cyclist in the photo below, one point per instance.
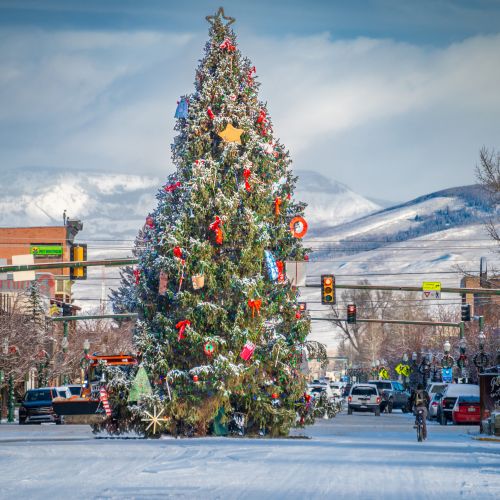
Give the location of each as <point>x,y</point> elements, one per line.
<point>419,400</point>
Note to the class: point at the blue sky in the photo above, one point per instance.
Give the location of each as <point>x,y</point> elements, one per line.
<point>393,98</point>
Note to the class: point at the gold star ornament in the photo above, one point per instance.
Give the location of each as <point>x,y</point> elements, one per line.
<point>220,13</point>
<point>155,419</point>
<point>231,134</point>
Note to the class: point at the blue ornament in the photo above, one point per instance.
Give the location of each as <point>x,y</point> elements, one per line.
<point>272,268</point>
<point>182,108</point>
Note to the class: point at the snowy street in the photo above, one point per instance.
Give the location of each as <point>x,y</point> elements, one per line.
<point>358,456</point>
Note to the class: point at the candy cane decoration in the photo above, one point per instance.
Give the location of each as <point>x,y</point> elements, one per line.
<point>103,397</point>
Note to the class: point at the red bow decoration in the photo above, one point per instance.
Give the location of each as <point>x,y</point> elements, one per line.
<point>254,305</point>
<point>246,175</point>
<point>178,252</point>
<point>210,113</point>
<point>226,44</point>
<point>216,227</point>
<point>288,196</point>
<point>262,116</point>
<point>137,274</point>
<point>277,204</point>
<point>249,75</point>
<point>281,274</point>
<point>199,162</point>
<point>172,187</point>
<point>181,326</point>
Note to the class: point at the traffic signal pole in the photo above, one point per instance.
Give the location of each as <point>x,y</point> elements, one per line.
<point>70,264</point>
<point>400,322</point>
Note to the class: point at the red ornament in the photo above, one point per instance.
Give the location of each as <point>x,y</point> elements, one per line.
<point>172,187</point>
<point>210,113</point>
<point>227,44</point>
<point>297,315</point>
<point>307,397</point>
<point>181,326</point>
<point>247,351</point>
<point>195,378</point>
<point>246,174</point>
<point>295,227</point>
<point>306,258</point>
<point>288,196</point>
<point>274,395</point>
<point>281,274</point>
<point>178,252</point>
<point>216,227</point>
<point>277,204</point>
<point>137,275</point>
<point>255,305</point>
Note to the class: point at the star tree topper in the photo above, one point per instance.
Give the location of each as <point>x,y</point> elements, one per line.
<point>154,419</point>
<point>220,13</point>
<point>231,134</point>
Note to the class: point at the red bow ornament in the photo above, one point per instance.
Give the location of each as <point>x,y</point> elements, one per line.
<point>210,113</point>
<point>172,187</point>
<point>254,305</point>
<point>137,275</point>
<point>281,274</point>
<point>277,204</point>
<point>216,227</point>
<point>199,163</point>
<point>227,44</point>
<point>246,174</point>
<point>178,252</point>
<point>181,326</point>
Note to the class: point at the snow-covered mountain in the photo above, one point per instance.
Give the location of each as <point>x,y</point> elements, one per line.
<point>329,202</point>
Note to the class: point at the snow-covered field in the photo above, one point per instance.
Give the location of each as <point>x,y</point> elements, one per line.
<point>358,456</point>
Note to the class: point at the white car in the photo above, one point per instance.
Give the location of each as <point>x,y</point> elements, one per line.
<point>364,397</point>
<point>315,391</point>
<point>337,388</point>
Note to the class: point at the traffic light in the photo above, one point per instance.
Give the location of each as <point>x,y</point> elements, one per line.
<point>465,312</point>
<point>351,313</point>
<point>78,254</point>
<point>327,289</point>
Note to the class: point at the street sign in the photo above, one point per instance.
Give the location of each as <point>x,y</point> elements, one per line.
<point>23,260</point>
<point>46,250</point>
<point>431,290</point>
<point>447,375</point>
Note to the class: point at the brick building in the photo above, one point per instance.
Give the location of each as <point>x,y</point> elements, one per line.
<point>46,244</point>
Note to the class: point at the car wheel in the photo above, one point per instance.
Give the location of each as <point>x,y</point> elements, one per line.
<point>377,412</point>
<point>349,411</point>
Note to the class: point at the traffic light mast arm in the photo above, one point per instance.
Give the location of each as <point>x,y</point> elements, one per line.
<point>60,265</point>
<point>394,321</point>
<point>95,316</point>
<point>477,291</point>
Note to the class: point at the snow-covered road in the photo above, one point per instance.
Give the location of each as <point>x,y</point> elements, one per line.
<point>358,456</point>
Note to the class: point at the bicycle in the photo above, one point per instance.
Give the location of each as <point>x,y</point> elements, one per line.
<point>419,424</point>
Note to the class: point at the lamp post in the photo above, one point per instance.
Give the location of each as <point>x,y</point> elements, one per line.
<point>462,360</point>
<point>481,359</point>
<point>10,400</point>
<point>64,345</point>
<point>86,350</point>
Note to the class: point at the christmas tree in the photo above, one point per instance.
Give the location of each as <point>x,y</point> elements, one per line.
<point>219,331</point>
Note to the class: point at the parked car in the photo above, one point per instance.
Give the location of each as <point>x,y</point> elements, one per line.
<point>315,390</point>
<point>466,410</point>
<point>393,395</point>
<point>337,388</point>
<point>36,406</point>
<point>364,397</point>
<point>434,405</point>
<point>450,395</point>
<point>435,388</point>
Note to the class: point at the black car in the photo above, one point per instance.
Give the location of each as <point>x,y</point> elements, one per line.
<point>36,406</point>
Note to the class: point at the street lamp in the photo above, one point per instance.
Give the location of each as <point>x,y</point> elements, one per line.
<point>482,338</point>
<point>405,358</point>
<point>414,356</point>
<point>447,347</point>
<point>86,346</point>
<point>64,344</point>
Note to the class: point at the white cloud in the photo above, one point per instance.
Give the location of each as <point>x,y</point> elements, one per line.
<point>348,108</point>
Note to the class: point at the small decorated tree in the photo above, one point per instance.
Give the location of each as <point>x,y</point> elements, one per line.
<point>219,329</point>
